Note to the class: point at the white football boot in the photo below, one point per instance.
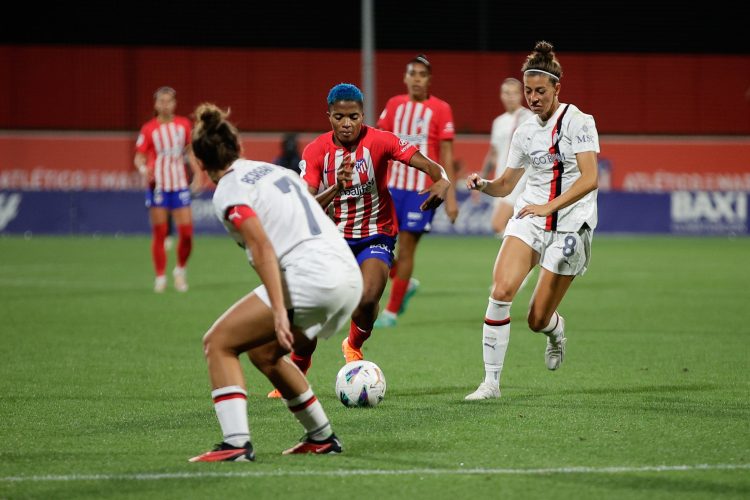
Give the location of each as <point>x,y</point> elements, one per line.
<point>555,352</point>
<point>484,391</point>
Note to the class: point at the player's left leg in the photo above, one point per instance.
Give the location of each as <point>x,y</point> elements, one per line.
<point>403,286</point>
<point>302,357</point>
<point>183,218</point>
<point>374,277</point>
<point>543,316</point>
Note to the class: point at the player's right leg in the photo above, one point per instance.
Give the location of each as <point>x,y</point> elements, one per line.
<point>158,219</point>
<point>244,326</point>
<point>374,278</point>
<point>513,263</point>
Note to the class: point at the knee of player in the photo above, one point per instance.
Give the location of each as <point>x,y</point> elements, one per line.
<point>501,291</point>
<point>263,359</point>
<point>537,322</point>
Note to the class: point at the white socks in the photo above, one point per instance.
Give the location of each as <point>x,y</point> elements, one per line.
<point>308,410</point>
<point>555,326</point>
<point>230,404</point>
<point>495,337</point>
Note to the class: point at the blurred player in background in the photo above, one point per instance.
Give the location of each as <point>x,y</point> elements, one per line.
<point>554,218</point>
<point>289,156</point>
<point>311,285</point>
<point>511,94</point>
<point>426,122</point>
<point>347,170</point>
<point>160,158</point>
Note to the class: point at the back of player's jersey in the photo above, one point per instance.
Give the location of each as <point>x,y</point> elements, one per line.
<point>286,210</point>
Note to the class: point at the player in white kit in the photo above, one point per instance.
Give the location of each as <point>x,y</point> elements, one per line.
<point>311,285</point>
<point>553,219</point>
<point>511,95</point>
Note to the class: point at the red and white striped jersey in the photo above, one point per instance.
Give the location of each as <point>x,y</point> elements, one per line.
<point>164,147</point>
<point>423,124</point>
<point>365,207</point>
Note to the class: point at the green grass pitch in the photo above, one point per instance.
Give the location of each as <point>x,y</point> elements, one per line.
<point>104,390</point>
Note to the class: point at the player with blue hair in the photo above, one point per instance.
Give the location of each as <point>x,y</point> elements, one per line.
<point>346,169</point>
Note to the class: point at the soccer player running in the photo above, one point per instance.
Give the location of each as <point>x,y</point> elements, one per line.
<point>511,95</point>
<point>311,285</point>
<point>160,152</point>
<point>346,169</point>
<point>555,215</point>
<point>425,121</point>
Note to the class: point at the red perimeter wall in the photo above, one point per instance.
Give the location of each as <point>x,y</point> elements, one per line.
<point>110,88</point>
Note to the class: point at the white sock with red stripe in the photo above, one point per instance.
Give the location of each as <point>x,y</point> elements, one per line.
<point>308,410</point>
<point>555,326</point>
<point>495,338</point>
<point>230,404</point>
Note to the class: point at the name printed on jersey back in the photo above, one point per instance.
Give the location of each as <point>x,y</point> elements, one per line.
<point>256,174</point>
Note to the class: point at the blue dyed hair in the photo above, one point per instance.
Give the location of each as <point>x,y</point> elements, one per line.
<point>345,92</point>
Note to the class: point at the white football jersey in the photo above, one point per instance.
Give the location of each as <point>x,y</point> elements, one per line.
<point>289,214</point>
<point>548,153</point>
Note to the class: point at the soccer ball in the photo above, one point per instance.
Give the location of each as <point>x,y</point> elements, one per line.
<point>360,383</point>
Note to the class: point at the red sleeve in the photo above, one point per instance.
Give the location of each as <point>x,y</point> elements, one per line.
<point>188,132</point>
<point>143,143</point>
<point>237,214</point>
<point>398,149</point>
<point>311,170</point>
<point>447,131</point>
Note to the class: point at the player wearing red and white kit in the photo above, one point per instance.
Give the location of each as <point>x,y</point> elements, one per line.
<point>555,216</point>
<point>311,285</point>
<point>160,158</point>
<point>426,122</point>
<point>346,169</point>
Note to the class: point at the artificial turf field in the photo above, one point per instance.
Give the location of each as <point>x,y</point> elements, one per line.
<point>104,390</point>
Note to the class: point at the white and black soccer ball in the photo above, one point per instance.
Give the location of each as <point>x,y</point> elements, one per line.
<point>360,383</point>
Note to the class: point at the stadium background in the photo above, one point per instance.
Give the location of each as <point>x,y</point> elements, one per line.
<point>670,93</point>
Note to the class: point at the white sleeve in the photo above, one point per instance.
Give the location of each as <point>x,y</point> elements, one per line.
<point>583,134</point>
<point>229,195</point>
<point>517,158</point>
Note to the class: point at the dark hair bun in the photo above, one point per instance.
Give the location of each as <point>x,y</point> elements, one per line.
<point>544,48</point>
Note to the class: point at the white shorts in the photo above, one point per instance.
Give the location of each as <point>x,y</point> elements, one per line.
<point>322,287</point>
<point>564,253</point>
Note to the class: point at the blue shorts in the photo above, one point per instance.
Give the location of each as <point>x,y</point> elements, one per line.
<point>379,246</point>
<point>410,217</point>
<point>170,200</point>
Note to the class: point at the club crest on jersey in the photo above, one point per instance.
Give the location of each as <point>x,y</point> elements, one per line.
<point>361,166</point>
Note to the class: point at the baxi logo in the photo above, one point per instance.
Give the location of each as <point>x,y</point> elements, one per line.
<point>709,212</point>
<point>8,208</point>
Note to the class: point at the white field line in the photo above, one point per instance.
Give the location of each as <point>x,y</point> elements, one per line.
<point>147,476</point>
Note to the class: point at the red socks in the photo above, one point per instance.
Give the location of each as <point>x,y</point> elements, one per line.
<point>398,290</point>
<point>185,244</point>
<point>158,254</point>
<point>302,362</point>
<point>357,336</point>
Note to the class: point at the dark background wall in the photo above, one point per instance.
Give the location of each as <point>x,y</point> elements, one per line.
<point>638,68</point>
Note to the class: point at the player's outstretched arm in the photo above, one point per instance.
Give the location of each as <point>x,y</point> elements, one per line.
<point>439,189</point>
<point>267,266</point>
<point>502,186</point>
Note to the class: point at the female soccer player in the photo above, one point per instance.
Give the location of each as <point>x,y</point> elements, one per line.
<point>511,95</point>
<point>347,170</point>
<point>554,216</point>
<point>311,285</point>
<point>159,157</point>
<point>426,121</point>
